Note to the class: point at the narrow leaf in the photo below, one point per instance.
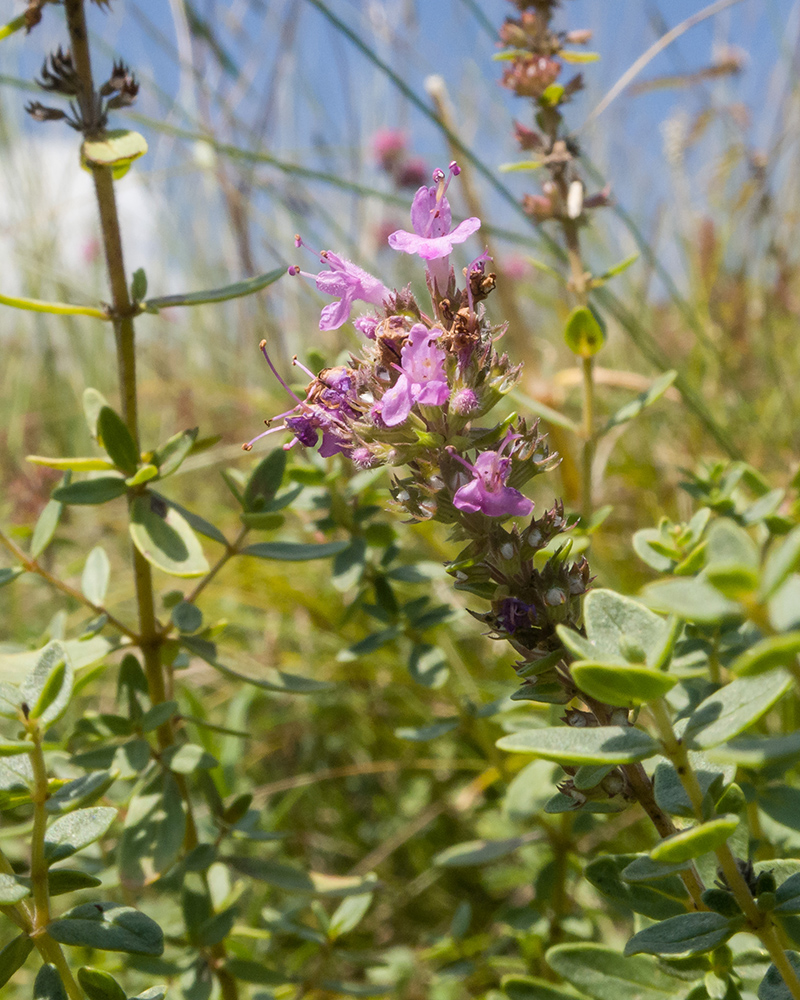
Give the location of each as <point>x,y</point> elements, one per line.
<point>294,551</point>
<point>116,439</point>
<point>689,934</point>
<point>91,491</point>
<point>734,708</point>
<point>235,291</point>
<point>698,840</point>
<point>48,984</point>
<point>75,831</point>
<point>595,745</point>
<point>13,956</point>
<point>96,574</point>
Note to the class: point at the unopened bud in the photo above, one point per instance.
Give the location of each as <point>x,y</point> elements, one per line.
<point>579,37</point>
<point>575,200</point>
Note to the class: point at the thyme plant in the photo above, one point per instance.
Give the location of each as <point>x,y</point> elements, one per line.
<point>678,705</point>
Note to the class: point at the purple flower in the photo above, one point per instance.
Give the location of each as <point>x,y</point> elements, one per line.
<point>347,280</point>
<point>514,614</point>
<point>487,492</point>
<point>330,405</point>
<point>422,377</point>
<point>431,219</point>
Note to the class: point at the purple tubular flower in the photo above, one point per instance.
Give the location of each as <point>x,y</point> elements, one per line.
<point>346,280</point>
<point>328,408</point>
<point>514,614</point>
<point>431,219</point>
<point>488,492</point>
<point>422,377</point>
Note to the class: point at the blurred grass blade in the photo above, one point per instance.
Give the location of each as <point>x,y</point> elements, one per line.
<point>12,26</point>
<point>235,291</point>
<point>59,308</point>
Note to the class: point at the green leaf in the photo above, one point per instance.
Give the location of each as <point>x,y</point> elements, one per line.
<point>692,599</point>
<point>787,895</point>
<point>621,629</point>
<point>48,984</point>
<point>15,24</point>
<point>153,836</point>
<point>670,793</point>
<point>774,651</point>
<point>235,291</point>
<point>11,890</point>
<point>11,748</point>
<point>8,575</point>
<point>349,914</point>
<point>276,680</point>
<point>294,879</point>
<point>96,574</point>
<point>13,956</point>
<point>644,869</point>
<point>584,332</point>
<point>80,792</point>
<point>592,745</point>
<point>612,272</point>
<point>170,455</point>
<point>688,934</point>
<point>264,481</point>
<point>47,688</point>
<point>109,927</point>
<point>116,439</point>
<point>573,56</point>
<point>72,464</point>
<point>158,715</point>
<point>695,841</point>
<point>428,665</point>
<point>544,411</point>
<point>56,308</point>
<point>98,985</point>
<point>165,539</point>
<point>621,684</point>
<point>668,899</point>
<point>780,564</point>
<point>263,521</point>
<point>632,409</point>
<point>139,284</point>
<point>200,525</point>
<point>186,758</point>
<point>154,993</point>
<point>733,708</point>
<point>604,974</point>
<point>421,734</point>
<point>144,474</point>
<point>772,986</point>
<point>531,988</point>
<point>255,972</point>
<point>186,617</point>
<point>75,831</point>
<point>294,551</point>
<point>93,403</point>
<point>477,852</point>
<point>63,880</point>
<point>756,752</point>
<point>91,491</point>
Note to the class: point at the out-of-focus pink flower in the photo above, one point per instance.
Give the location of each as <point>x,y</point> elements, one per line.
<point>389,147</point>
<point>410,173</point>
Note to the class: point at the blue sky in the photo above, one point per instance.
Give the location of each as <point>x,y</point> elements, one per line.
<point>312,98</point>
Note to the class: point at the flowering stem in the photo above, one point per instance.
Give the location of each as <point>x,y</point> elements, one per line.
<point>122,313</point>
<point>760,923</point>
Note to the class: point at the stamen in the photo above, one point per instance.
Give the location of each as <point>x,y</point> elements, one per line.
<point>302,367</point>
<point>300,242</point>
<point>467,465</point>
<point>249,445</point>
<point>263,347</point>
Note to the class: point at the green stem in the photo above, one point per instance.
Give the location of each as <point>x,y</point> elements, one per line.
<point>760,923</point>
<point>149,638</point>
<point>39,884</point>
<point>587,451</point>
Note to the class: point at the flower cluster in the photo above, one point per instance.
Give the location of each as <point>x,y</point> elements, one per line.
<point>414,397</point>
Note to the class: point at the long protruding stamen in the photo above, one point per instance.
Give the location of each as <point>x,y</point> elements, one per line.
<point>249,445</point>
<point>300,242</point>
<point>302,367</point>
<point>467,465</point>
<point>263,347</point>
